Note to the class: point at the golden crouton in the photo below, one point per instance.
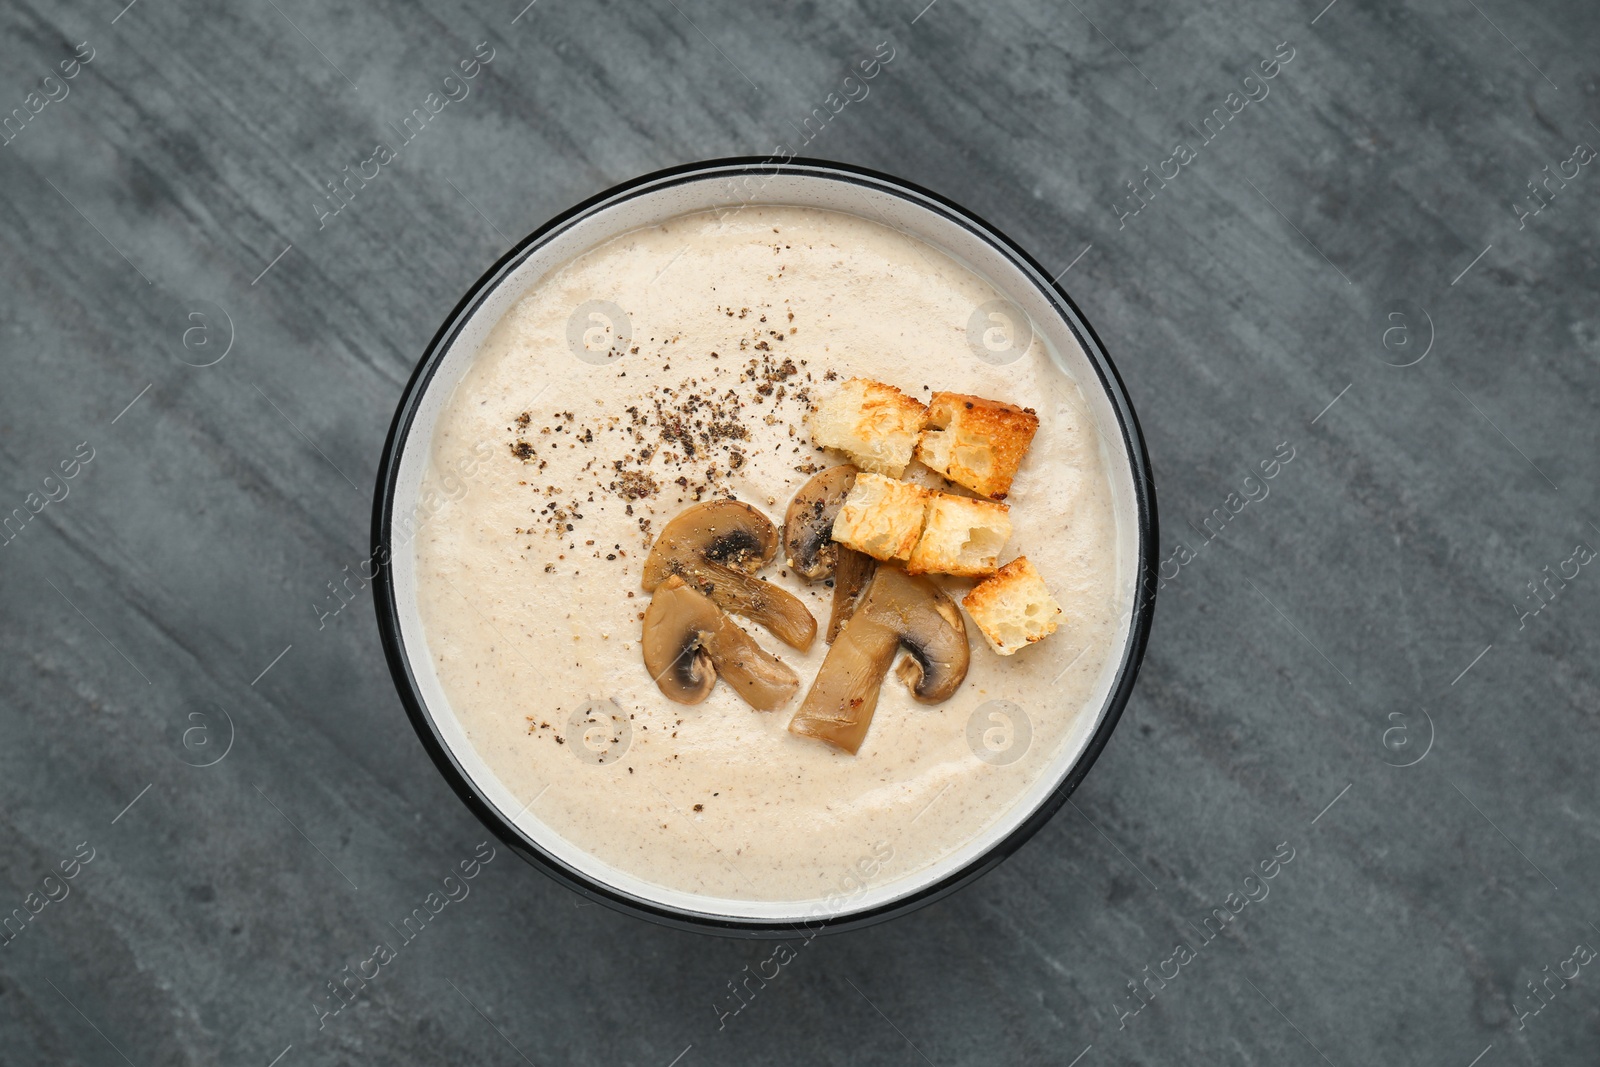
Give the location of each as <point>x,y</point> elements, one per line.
<point>975,442</point>
<point>881,517</point>
<point>876,424</point>
<point>960,535</point>
<point>1013,609</point>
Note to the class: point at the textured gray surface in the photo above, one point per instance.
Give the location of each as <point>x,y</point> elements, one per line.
<point>1247,295</point>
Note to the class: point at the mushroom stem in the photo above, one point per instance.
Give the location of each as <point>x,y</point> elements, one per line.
<point>839,706</point>
<point>762,679</point>
<point>851,573</point>
<point>777,609</point>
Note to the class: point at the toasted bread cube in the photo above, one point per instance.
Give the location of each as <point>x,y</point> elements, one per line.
<point>1013,609</point>
<point>975,442</point>
<point>960,535</point>
<point>876,424</point>
<point>881,517</point>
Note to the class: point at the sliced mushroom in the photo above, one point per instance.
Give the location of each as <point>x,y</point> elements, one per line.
<point>808,525</point>
<point>898,609</point>
<point>688,641</point>
<point>850,576</point>
<point>717,547</point>
<point>811,550</point>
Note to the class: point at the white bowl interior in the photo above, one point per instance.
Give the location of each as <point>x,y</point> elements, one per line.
<point>650,208</point>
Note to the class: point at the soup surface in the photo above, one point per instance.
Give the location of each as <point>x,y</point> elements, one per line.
<point>678,363</point>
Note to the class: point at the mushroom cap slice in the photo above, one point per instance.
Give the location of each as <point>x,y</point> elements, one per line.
<point>717,547</point>
<point>812,552</point>
<point>898,609</point>
<point>673,652</point>
<point>808,541</point>
<point>728,532</point>
<point>688,641</point>
<point>938,655</point>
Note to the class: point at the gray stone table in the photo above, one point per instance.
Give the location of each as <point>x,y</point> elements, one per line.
<point>1372,202</point>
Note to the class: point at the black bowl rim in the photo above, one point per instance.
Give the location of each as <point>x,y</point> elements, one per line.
<point>388,610</point>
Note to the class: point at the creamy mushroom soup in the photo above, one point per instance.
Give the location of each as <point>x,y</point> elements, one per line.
<point>677,364</point>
